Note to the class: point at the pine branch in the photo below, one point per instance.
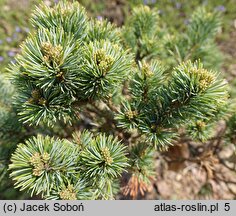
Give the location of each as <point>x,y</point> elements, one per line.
<point>192,92</point>
<point>71,17</point>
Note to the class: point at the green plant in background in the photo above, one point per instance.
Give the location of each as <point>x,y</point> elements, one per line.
<point>91,104</point>
<point>13,28</point>
<point>196,42</point>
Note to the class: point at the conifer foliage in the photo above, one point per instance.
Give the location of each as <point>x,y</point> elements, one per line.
<point>83,88</point>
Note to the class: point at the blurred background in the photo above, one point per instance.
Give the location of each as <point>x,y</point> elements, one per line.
<point>176,182</point>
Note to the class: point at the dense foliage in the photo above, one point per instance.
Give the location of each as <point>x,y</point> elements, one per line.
<point>87,105</point>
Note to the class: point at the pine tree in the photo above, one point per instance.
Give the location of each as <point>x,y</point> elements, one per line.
<point>91,103</point>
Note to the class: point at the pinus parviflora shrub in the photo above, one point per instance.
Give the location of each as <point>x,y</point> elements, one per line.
<point>90,104</point>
